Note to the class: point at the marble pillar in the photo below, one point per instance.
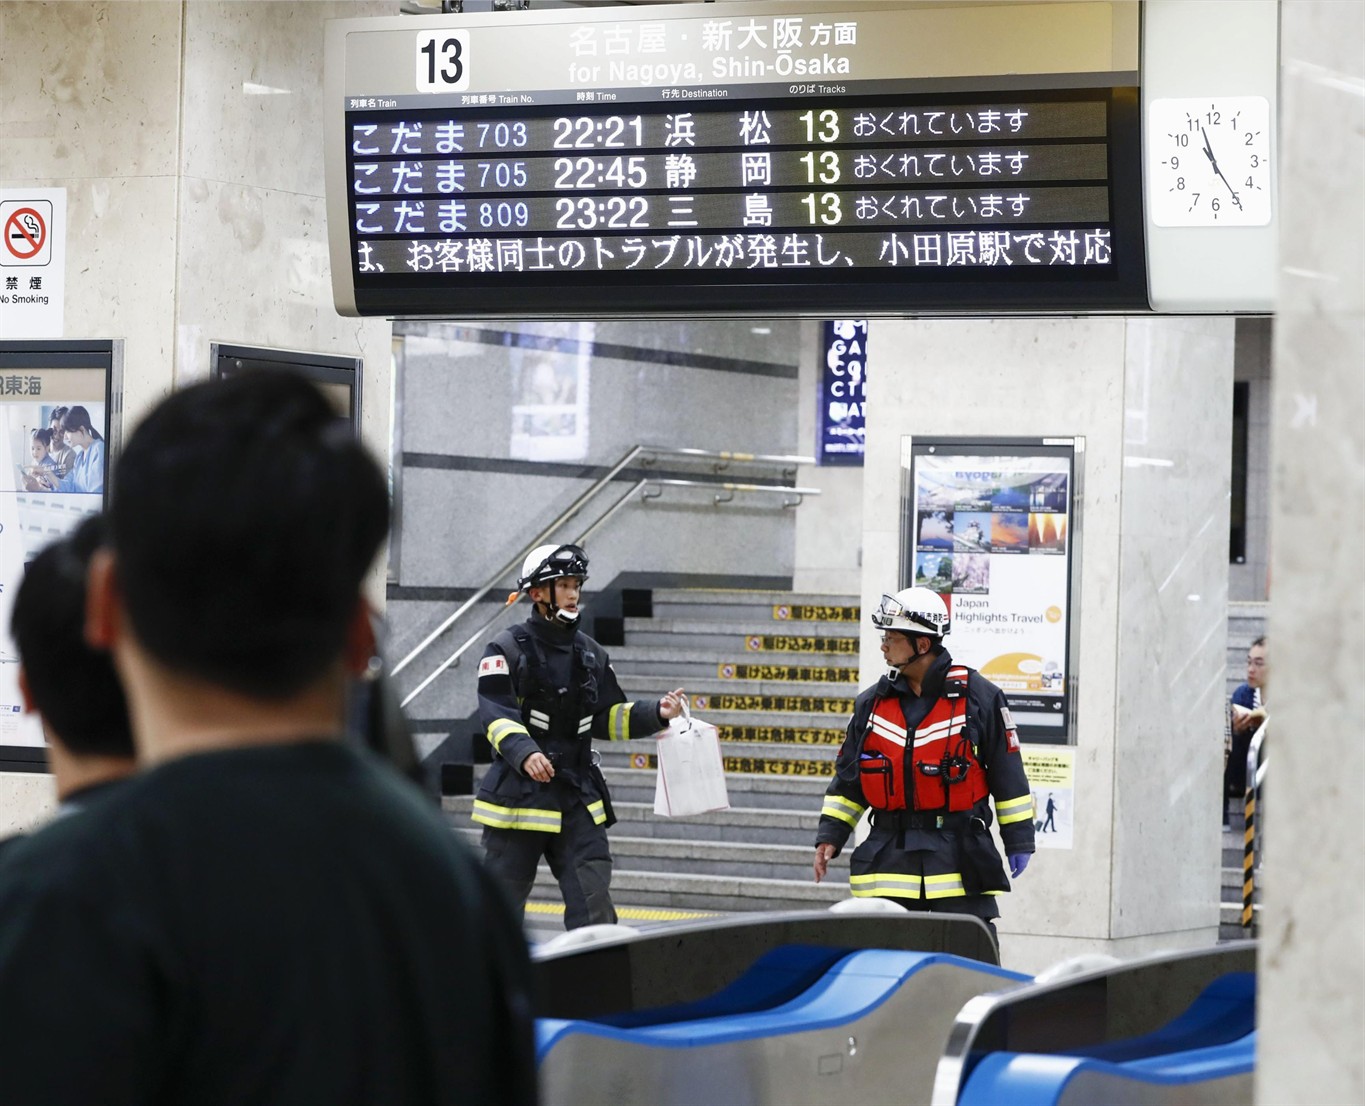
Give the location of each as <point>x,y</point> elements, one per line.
<point>1152,398</point>
<point>1312,964</point>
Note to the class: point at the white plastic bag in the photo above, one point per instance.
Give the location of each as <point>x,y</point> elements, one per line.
<point>691,773</point>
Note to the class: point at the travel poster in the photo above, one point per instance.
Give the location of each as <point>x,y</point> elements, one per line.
<point>37,500</point>
<point>990,534</point>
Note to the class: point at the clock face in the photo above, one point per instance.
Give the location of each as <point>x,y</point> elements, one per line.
<point>1208,161</point>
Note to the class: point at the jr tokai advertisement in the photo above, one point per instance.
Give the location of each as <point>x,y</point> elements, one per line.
<point>989,527</point>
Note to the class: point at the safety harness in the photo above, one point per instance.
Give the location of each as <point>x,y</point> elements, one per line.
<point>935,769</point>
<point>559,718</point>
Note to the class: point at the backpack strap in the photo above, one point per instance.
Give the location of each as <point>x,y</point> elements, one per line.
<point>955,682</point>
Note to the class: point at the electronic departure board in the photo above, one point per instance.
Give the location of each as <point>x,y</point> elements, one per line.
<point>749,159</point>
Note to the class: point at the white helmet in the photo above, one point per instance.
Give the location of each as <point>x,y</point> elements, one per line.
<point>913,611</point>
<point>547,563</point>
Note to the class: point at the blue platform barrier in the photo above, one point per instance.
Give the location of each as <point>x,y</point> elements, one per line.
<point>869,1028</point>
<point>1215,1074</point>
<point>1172,1029</point>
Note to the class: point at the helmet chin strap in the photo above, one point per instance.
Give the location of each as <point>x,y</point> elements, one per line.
<point>899,669</point>
<point>554,613</point>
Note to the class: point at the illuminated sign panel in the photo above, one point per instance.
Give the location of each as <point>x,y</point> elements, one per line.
<point>990,525</point>
<point>779,161</point>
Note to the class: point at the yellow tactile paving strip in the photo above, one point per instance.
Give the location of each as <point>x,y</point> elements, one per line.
<point>628,913</point>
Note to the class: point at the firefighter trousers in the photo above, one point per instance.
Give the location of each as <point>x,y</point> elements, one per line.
<point>579,859</point>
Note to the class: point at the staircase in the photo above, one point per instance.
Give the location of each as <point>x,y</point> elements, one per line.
<point>777,674</point>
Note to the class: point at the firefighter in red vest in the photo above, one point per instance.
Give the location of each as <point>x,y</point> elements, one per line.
<point>927,749</point>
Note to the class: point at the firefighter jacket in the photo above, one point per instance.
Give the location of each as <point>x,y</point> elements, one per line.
<point>928,767</point>
<point>551,689</point>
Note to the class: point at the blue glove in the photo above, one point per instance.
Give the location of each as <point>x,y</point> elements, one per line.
<point>1018,862</point>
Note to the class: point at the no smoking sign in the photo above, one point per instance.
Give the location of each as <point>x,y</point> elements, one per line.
<point>32,262</point>
<point>26,226</point>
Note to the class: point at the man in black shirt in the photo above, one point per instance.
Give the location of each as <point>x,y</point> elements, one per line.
<point>73,688</point>
<point>265,915</point>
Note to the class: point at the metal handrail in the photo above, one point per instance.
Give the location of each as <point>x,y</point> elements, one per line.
<point>569,512</point>
<point>733,488</point>
<point>722,457</point>
<point>478,633</point>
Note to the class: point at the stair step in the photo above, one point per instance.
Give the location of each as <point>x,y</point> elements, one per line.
<point>708,892</point>
<point>712,684</point>
<point>824,718</point>
<point>790,760</point>
<point>755,598</point>
<point>1230,920</point>
<point>763,781</point>
<point>723,673</point>
<point>765,826</point>
<point>721,858</point>
<point>724,639</point>
<point>766,792</point>
<point>735,653</point>
<point>1232,880</point>
<point>676,624</point>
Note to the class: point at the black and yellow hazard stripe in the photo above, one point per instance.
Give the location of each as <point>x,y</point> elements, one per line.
<point>797,673</point>
<point>1249,861</point>
<point>801,704</point>
<point>785,643</point>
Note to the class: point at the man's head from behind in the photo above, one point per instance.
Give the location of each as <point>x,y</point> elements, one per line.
<point>72,686</point>
<point>245,517</point>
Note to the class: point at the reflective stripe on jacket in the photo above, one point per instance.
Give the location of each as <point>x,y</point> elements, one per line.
<point>936,768</point>
<point>985,739</point>
<point>518,725</point>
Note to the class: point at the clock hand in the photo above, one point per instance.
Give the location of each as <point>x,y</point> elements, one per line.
<point>1208,153</point>
<point>1208,150</point>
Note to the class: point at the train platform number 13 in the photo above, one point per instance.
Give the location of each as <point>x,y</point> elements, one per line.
<point>442,61</point>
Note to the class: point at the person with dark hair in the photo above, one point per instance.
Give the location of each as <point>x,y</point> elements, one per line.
<point>928,749</point>
<point>40,448</point>
<point>1246,712</point>
<point>546,690</point>
<point>73,687</point>
<point>62,453</point>
<point>87,472</point>
<point>265,914</point>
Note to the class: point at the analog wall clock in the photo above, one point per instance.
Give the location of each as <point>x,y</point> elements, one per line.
<point>1209,161</point>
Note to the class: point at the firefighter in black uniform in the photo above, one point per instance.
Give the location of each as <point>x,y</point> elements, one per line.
<point>926,750</point>
<point>546,690</point>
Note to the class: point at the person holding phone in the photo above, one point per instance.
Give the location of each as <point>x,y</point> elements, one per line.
<point>87,473</point>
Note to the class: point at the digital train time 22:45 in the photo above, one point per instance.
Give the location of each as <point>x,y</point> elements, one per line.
<point>861,195</point>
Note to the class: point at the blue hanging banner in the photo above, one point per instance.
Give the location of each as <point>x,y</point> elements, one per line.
<point>843,377</point>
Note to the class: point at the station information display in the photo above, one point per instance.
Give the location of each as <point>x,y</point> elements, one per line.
<point>771,161</point>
